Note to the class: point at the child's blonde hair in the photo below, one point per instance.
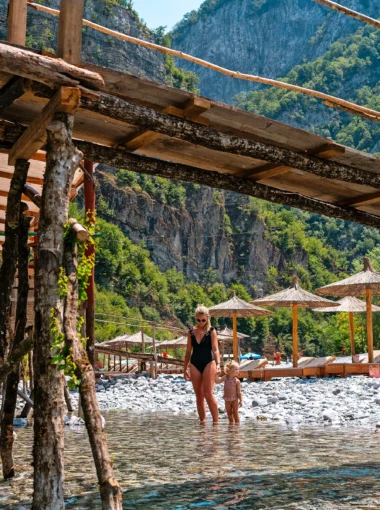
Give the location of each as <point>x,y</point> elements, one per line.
<point>203,310</point>
<point>229,365</point>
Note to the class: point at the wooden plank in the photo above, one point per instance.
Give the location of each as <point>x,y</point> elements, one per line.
<point>195,106</point>
<point>67,100</point>
<point>11,91</point>
<point>32,180</point>
<point>17,14</point>
<point>143,137</point>
<point>27,213</point>
<point>367,199</point>
<point>70,31</point>
<point>5,195</point>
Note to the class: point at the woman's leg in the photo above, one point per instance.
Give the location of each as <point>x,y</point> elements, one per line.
<point>196,379</point>
<point>235,410</point>
<point>208,380</point>
<point>229,411</point>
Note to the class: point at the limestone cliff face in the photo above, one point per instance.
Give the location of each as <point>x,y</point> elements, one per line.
<point>214,237</point>
<point>265,37</point>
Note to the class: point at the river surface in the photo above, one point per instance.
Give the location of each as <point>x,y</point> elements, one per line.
<point>172,463</point>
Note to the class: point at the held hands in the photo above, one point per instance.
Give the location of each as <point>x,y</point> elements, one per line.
<point>218,371</point>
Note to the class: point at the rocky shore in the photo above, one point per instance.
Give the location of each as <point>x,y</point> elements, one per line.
<point>351,402</point>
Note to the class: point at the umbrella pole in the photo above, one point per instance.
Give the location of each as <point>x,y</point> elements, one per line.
<point>154,364</point>
<point>369,325</point>
<point>352,334</point>
<point>295,335</point>
<point>235,339</point>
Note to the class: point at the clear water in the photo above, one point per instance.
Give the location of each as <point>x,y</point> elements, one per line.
<point>170,462</point>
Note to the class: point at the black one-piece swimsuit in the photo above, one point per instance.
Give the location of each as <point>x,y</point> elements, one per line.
<point>202,352</point>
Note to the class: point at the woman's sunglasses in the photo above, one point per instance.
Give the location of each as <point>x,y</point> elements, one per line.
<point>201,320</point>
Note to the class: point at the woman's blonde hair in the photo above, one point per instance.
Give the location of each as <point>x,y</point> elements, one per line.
<point>203,310</point>
<point>229,365</point>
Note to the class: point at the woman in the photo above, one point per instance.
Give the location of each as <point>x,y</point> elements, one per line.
<point>203,354</point>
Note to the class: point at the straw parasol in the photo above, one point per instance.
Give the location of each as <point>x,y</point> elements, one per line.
<point>234,308</point>
<point>364,283</point>
<point>227,335</point>
<point>173,344</point>
<point>351,305</point>
<point>139,338</point>
<point>295,297</point>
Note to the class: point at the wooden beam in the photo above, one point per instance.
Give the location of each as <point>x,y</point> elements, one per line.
<point>195,106</point>
<point>33,195</point>
<point>70,31</point>
<point>11,91</point>
<point>146,118</point>
<point>5,194</point>
<point>169,170</point>
<point>17,14</point>
<point>326,151</point>
<point>369,198</point>
<point>66,100</point>
<point>27,213</point>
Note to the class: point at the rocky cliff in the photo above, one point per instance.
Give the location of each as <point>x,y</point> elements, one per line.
<point>265,37</point>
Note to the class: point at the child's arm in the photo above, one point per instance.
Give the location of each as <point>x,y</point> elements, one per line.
<point>219,380</point>
<point>239,394</point>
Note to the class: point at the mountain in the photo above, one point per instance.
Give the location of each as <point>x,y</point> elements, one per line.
<point>264,37</point>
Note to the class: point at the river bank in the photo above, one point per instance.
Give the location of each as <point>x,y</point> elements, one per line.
<point>292,403</point>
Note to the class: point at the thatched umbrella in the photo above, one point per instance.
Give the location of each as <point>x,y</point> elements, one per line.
<point>295,297</point>
<point>350,305</point>
<point>227,335</point>
<point>364,283</point>
<point>234,308</point>
<point>173,344</point>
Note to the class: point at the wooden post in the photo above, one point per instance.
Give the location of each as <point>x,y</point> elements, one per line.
<point>109,362</point>
<point>17,14</point>
<point>369,325</point>
<point>114,363</point>
<point>89,207</point>
<point>30,365</point>
<point>70,30</point>
<point>222,354</point>
<point>154,353</point>
<point>352,334</point>
<point>235,338</point>
<point>295,335</point>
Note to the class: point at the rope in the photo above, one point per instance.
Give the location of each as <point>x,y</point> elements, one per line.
<point>333,101</point>
<point>349,12</point>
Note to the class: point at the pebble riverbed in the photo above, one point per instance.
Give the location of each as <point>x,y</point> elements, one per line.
<point>351,402</point>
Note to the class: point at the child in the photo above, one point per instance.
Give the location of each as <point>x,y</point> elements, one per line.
<point>232,391</point>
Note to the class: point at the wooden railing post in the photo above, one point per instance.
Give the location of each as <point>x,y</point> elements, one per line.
<point>70,30</point>
<point>17,12</point>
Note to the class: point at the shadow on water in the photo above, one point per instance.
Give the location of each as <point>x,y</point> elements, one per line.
<point>171,463</point>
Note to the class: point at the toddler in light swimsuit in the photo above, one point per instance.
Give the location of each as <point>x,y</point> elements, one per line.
<point>232,391</point>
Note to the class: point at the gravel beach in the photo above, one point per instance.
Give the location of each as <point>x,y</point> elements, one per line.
<point>351,402</point>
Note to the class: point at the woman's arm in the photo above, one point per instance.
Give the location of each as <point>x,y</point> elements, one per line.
<point>239,394</point>
<point>215,349</point>
<point>187,357</point>
<point>219,380</point>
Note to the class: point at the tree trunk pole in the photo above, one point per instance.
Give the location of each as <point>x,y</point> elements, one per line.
<point>89,206</point>
<point>10,248</point>
<point>369,325</point>
<point>17,14</point>
<point>62,160</point>
<point>295,335</point>
<point>352,334</point>
<point>110,490</point>
<point>235,338</point>
<point>12,381</point>
<point>30,365</point>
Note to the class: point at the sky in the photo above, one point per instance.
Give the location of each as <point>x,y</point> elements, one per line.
<point>164,12</point>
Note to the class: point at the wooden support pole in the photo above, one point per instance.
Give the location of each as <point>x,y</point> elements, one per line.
<point>66,100</point>
<point>295,335</point>
<point>89,207</point>
<point>235,338</point>
<point>61,162</point>
<point>352,333</point>
<point>154,364</point>
<point>17,14</point>
<point>28,406</point>
<point>70,31</point>
<point>369,325</point>
<point>12,90</point>
<point>32,195</point>
<point>31,376</point>
<point>12,381</point>
<point>16,356</point>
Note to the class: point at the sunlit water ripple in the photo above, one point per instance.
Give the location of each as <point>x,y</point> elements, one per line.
<point>170,462</point>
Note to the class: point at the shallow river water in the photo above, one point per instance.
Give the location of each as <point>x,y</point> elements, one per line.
<point>172,463</point>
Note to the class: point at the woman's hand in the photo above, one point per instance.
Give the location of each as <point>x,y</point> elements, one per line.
<point>218,371</point>
<point>240,403</point>
<point>186,376</point>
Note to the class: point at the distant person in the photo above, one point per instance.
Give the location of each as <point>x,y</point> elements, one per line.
<point>202,353</point>
<point>164,354</point>
<point>233,398</point>
<point>250,356</point>
<point>343,351</point>
<point>277,357</point>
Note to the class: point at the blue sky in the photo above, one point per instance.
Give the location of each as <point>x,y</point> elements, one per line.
<point>164,12</point>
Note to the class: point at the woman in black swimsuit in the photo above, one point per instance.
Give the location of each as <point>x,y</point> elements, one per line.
<point>202,346</point>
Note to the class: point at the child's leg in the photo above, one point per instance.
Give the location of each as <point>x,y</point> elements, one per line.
<point>229,411</point>
<point>235,411</point>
